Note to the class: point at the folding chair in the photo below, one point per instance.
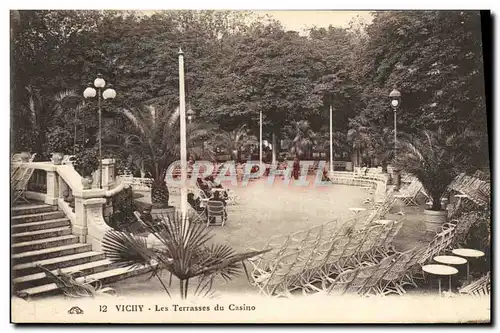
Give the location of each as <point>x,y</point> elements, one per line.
<point>372,237</point>
<point>197,216</point>
<point>274,281</point>
<point>481,287</point>
<point>374,283</point>
<point>341,283</point>
<point>232,198</point>
<point>216,209</point>
<point>394,280</point>
<point>20,183</point>
<point>387,247</point>
<point>203,197</point>
<point>408,196</point>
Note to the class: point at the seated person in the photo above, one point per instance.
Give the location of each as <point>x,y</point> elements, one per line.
<point>217,197</point>
<point>222,193</point>
<point>203,186</point>
<point>195,203</point>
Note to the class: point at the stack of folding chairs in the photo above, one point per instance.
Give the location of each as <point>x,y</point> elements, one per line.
<point>310,260</point>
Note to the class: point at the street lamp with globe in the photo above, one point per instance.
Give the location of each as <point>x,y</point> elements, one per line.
<point>109,93</point>
<point>395,97</point>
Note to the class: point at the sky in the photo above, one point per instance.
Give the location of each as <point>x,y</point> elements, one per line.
<point>300,19</point>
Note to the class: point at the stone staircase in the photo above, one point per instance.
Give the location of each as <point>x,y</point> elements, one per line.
<point>42,235</point>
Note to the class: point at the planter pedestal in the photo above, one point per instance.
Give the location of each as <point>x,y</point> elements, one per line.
<point>434,219</point>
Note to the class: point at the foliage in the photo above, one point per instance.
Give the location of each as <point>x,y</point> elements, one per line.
<point>59,140</point>
<point>303,140</point>
<point>237,64</point>
<point>436,158</point>
<point>474,231</point>
<point>24,141</point>
<point>74,288</point>
<point>184,252</point>
<point>123,209</point>
<point>435,59</point>
<point>86,161</point>
<point>233,142</point>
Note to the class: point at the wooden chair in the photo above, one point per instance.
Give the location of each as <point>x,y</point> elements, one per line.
<point>216,209</point>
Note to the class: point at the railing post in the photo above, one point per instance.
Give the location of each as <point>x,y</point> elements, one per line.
<point>96,225</point>
<point>52,188</point>
<point>108,173</point>
<point>79,227</point>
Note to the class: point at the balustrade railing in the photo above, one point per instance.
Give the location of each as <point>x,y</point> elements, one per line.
<point>38,181</point>
<point>61,185</point>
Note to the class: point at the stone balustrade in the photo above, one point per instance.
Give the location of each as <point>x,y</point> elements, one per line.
<point>376,180</point>
<point>85,210</point>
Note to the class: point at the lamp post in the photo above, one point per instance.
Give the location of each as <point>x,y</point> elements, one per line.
<point>109,93</point>
<point>182,102</point>
<point>395,97</point>
<point>331,139</point>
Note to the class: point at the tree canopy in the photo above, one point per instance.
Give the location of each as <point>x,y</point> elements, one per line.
<point>239,64</point>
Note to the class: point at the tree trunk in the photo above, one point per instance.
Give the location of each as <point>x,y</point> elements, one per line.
<point>436,202</point>
<point>275,147</point>
<point>159,193</point>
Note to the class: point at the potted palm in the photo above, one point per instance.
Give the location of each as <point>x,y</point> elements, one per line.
<point>85,163</point>
<point>435,158</point>
<point>59,141</point>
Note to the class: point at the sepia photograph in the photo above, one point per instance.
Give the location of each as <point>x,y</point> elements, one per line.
<point>250,166</point>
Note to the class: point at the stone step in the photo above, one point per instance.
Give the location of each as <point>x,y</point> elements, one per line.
<point>41,234</point>
<point>37,217</point>
<point>32,208</point>
<point>44,243</point>
<point>38,279</point>
<point>55,263</point>
<point>53,252</point>
<point>106,277</point>
<point>41,225</point>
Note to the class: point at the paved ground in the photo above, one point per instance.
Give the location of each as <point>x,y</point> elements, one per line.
<point>266,210</point>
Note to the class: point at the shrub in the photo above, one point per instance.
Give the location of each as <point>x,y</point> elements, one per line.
<point>86,161</point>
<point>59,140</point>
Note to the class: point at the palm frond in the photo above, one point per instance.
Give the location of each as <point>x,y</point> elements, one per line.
<point>135,121</point>
<point>126,249</point>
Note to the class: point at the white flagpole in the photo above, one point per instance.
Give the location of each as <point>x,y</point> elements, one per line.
<point>331,140</point>
<point>183,136</point>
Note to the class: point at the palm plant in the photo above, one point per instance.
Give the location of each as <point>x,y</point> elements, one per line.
<point>156,142</point>
<point>435,158</point>
<point>234,141</point>
<point>304,138</point>
<point>338,141</point>
<point>359,137</point>
<point>184,253</point>
<point>42,112</point>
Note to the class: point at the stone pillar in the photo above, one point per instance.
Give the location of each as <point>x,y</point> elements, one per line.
<point>108,173</point>
<point>97,227</point>
<point>79,228</point>
<point>52,188</point>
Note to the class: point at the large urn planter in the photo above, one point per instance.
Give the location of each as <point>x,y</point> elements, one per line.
<point>434,219</point>
<point>87,182</point>
<point>24,156</point>
<point>57,158</point>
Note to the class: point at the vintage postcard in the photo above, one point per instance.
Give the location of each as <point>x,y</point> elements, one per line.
<point>208,166</point>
